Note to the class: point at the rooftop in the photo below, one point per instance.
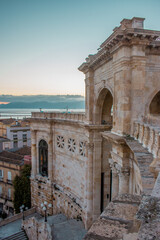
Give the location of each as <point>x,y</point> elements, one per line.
<point>16,157</point>
<point>24,151</point>
<point>7,121</point>
<point>3,139</point>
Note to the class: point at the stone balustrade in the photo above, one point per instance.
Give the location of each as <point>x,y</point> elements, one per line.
<point>149,136</point>
<point>80,117</point>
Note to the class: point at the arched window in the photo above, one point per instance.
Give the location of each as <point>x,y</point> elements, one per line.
<point>43,158</point>
<point>155,105</point>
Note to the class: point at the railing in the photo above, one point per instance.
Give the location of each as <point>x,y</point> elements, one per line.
<point>1,179</point>
<point>63,116</point>
<point>9,181</point>
<point>9,198</point>
<point>149,136</point>
<point>17,216</point>
<point>2,195</point>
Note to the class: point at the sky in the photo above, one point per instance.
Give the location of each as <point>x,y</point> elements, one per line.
<point>43,42</point>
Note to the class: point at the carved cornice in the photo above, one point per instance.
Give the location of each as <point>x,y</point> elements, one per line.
<point>126,37</point>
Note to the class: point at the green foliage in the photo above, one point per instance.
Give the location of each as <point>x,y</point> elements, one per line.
<point>22,191</point>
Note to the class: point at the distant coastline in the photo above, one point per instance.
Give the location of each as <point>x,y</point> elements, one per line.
<point>42,101</point>
<point>19,113</point>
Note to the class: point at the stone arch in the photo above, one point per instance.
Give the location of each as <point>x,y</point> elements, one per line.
<point>104,107</point>
<point>154,107</point>
<point>150,98</point>
<point>43,157</point>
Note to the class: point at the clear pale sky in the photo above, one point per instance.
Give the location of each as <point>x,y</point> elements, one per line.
<point>43,42</point>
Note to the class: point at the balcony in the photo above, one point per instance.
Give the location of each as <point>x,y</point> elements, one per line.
<point>2,195</point>
<point>9,181</point>
<point>1,179</point>
<point>80,117</point>
<point>148,136</point>
<point>8,198</point>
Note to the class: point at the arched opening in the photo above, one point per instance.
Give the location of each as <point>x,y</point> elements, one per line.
<point>154,107</point>
<point>43,158</point>
<point>104,108</point>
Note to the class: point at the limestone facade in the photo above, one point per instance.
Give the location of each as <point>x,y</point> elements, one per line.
<point>95,156</point>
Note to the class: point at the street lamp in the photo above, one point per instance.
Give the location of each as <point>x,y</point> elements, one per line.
<point>22,209</point>
<point>45,206</point>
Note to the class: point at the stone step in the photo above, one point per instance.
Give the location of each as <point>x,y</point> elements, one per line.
<point>21,235</point>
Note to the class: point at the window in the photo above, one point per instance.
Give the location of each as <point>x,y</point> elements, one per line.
<point>71,145</point>
<point>43,158</point>
<point>82,149</point>
<point>9,177</point>
<point>9,193</point>
<point>15,141</point>
<point>0,191</point>
<point>1,174</point>
<point>60,141</point>
<point>24,137</point>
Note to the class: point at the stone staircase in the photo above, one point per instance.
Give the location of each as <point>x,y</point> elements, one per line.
<point>144,159</point>
<point>117,221</point>
<point>21,235</point>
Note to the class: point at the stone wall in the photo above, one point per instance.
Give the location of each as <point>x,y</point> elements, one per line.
<point>37,230</point>
<point>17,216</point>
<point>65,186</point>
<point>118,220</point>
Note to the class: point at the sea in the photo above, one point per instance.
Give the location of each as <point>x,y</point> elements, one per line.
<point>20,113</point>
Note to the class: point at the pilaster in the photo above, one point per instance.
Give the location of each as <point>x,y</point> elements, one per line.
<point>34,153</point>
<point>124,180</point>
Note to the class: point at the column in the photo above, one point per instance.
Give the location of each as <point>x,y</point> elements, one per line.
<point>97,175</point>
<point>34,153</point>
<point>115,182</point>
<point>124,180</point>
<point>50,155</point>
<point>89,93</point>
<point>89,185</point>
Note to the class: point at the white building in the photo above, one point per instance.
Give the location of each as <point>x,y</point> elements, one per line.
<point>19,135</point>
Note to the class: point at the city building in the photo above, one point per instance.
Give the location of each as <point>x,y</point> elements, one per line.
<point>10,165</point>
<point>5,144</point>
<point>4,123</point>
<point>81,162</point>
<point>19,134</point>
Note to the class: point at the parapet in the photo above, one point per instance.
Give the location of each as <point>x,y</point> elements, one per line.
<point>135,22</point>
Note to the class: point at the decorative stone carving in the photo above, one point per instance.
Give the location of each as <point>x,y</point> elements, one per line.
<point>71,145</point>
<point>82,149</point>
<point>60,141</point>
<point>136,130</point>
<point>156,143</point>
<point>146,136</point>
<point>151,140</point>
<point>141,133</point>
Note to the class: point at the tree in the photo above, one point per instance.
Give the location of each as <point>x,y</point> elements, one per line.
<point>22,190</point>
